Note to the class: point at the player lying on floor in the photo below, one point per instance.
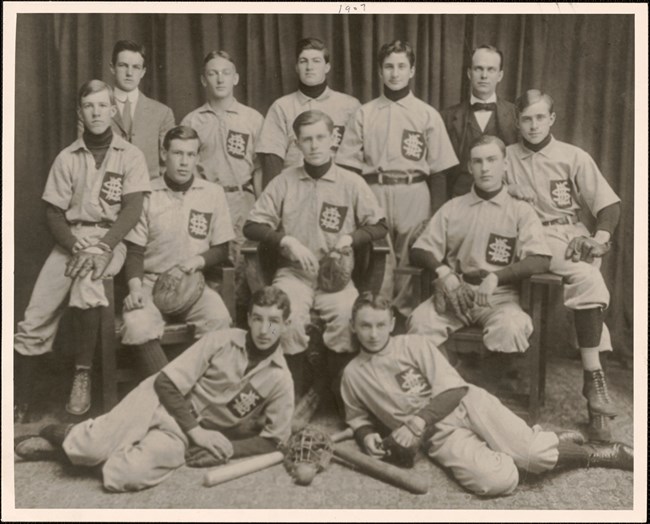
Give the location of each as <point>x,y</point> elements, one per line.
<point>402,388</point>
<point>204,407</point>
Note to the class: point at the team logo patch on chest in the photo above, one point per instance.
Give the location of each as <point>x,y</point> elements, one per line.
<point>411,381</point>
<point>111,190</point>
<point>332,217</point>
<point>337,136</point>
<point>245,401</point>
<point>500,250</point>
<point>236,144</point>
<point>198,225</point>
<point>412,145</point>
<point>561,193</point>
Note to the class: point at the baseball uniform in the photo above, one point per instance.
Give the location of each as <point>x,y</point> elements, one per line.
<point>174,227</point>
<point>470,233</point>
<point>140,444</point>
<point>277,135</point>
<point>482,442</point>
<point>317,212</point>
<point>92,199</point>
<point>567,182</point>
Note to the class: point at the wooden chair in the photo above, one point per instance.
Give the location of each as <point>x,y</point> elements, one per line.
<point>179,333</point>
<point>535,301</point>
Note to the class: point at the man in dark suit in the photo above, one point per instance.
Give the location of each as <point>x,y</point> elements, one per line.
<point>482,114</point>
<point>145,121</point>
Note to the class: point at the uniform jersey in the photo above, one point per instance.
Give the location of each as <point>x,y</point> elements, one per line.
<point>277,135</point>
<point>470,233</point>
<point>563,176</point>
<point>395,383</point>
<point>407,136</point>
<point>212,375</point>
<point>228,141</point>
<point>91,194</point>
<point>175,226</point>
<point>317,212</point>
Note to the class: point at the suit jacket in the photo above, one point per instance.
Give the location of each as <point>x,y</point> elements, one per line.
<point>463,129</point>
<point>151,121</point>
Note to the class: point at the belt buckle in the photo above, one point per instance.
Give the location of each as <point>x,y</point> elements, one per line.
<point>380,178</point>
<point>409,179</point>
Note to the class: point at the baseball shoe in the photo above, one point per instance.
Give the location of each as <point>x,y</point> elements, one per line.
<point>79,402</point>
<point>599,429</point>
<point>596,393</point>
<point>36,448</point>
<point>615,455</point>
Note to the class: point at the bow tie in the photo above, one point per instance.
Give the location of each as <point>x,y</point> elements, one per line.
<point>479,106</point>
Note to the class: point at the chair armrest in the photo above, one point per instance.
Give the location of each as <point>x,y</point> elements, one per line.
<point>420,278</point>
<point>370,265</point>
<point>261,262</point>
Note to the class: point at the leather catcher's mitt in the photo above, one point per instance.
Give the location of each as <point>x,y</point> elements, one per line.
<point>175,292</point>
<point>335,270</point>
<point>586,249</point>
<point>397,454</point>
<point>459,299</point>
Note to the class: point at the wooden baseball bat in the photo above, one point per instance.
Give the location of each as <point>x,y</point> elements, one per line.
<point>402,478</point>
<point>228,472</point>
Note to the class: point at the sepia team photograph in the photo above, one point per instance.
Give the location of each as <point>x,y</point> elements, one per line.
<point>316,261</point>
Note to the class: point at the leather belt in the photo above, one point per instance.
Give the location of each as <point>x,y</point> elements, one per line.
<point>248,186</point>
<point>391,178</point>
<point>104,224</point>
<point>569,219</point>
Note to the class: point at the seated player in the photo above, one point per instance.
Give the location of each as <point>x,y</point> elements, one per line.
<point>94,195</point>
<point>480,245</point>
<point>184,224</point>
<point>402,388</point>
<point>306,211</point>
<point>564,185</point>
<point>199,408</point>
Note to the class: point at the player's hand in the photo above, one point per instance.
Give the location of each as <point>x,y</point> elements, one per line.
<point>343,242</point>
<point>372,445</point>
<point>301,254</point>
<point>522,192</point>
<point>80,244</point>
<point>192,264</point>
<point>214,441</point>
<point>485,290</point>
<point>585,249</point>
<point>134,300</point>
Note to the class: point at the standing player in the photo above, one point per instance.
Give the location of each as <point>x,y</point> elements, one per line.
<point>480,245</point>
<point>403,388</point>
<point>306,211</point>
<point>562,181</point>
<point>229,132</point>
<point>198,409</point>
<point>399,143</point>
<point>483,113</point>
<point>184,224</point>
<point>277,146</point>
<point>94,195</point>
<point>139,119</point>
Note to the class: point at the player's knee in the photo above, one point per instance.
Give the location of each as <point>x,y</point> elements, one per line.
<point>140,326</point>
<point>120,475</point>
<point>416,323</point>
<point>500,479</point>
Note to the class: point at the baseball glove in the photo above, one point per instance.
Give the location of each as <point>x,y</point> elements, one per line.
<point>586,249</point>
<point>335,270</point>
<point>459,299</point>
<point>175,292</point>
<point>397,454</point>
<point>90,259</point>
<point>307,453</point>
<point>198,457</point>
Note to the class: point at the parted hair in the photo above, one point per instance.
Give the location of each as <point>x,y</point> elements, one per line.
<point>488,48</point>
<point>271,296</point>
<point>218,53</point>
<point>94,86</point>
<point>530,97</point>
<point>180,133</point>
<point>128,45</point>
<point>485,140</point>
<point>312,43</point>
<point>396,46</point>
<point>373,300</point>
<point>310,117</point>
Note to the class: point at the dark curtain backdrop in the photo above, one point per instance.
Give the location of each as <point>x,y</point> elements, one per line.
<point>586,62</point>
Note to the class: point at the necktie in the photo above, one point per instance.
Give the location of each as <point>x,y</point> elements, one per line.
<point>479,106</point>
<point>126,117</point>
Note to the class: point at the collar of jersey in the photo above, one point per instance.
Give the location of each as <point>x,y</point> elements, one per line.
<point>524,152</point>
<point>406,101</point>
<point>239,341</point>
<point>498,199</point>
<point>117,143</point>
<point>365,356</point>
<point>330,176</point>
<point>303,98</point>
<point>158,184</point>
<point>207,108</point>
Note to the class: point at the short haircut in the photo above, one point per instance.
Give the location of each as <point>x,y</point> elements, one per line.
<point>373,300</point>
<point>530,97</point>
<point>129,45</point>
<point>488,48</point>
<point>312,43</point>
<point>485,140</point>
<point>396,46</point>
<point>179,133</point>
<point>94,86</point>
<point>310,117</point>
<point>271,296</point>
<point>218,54</point>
